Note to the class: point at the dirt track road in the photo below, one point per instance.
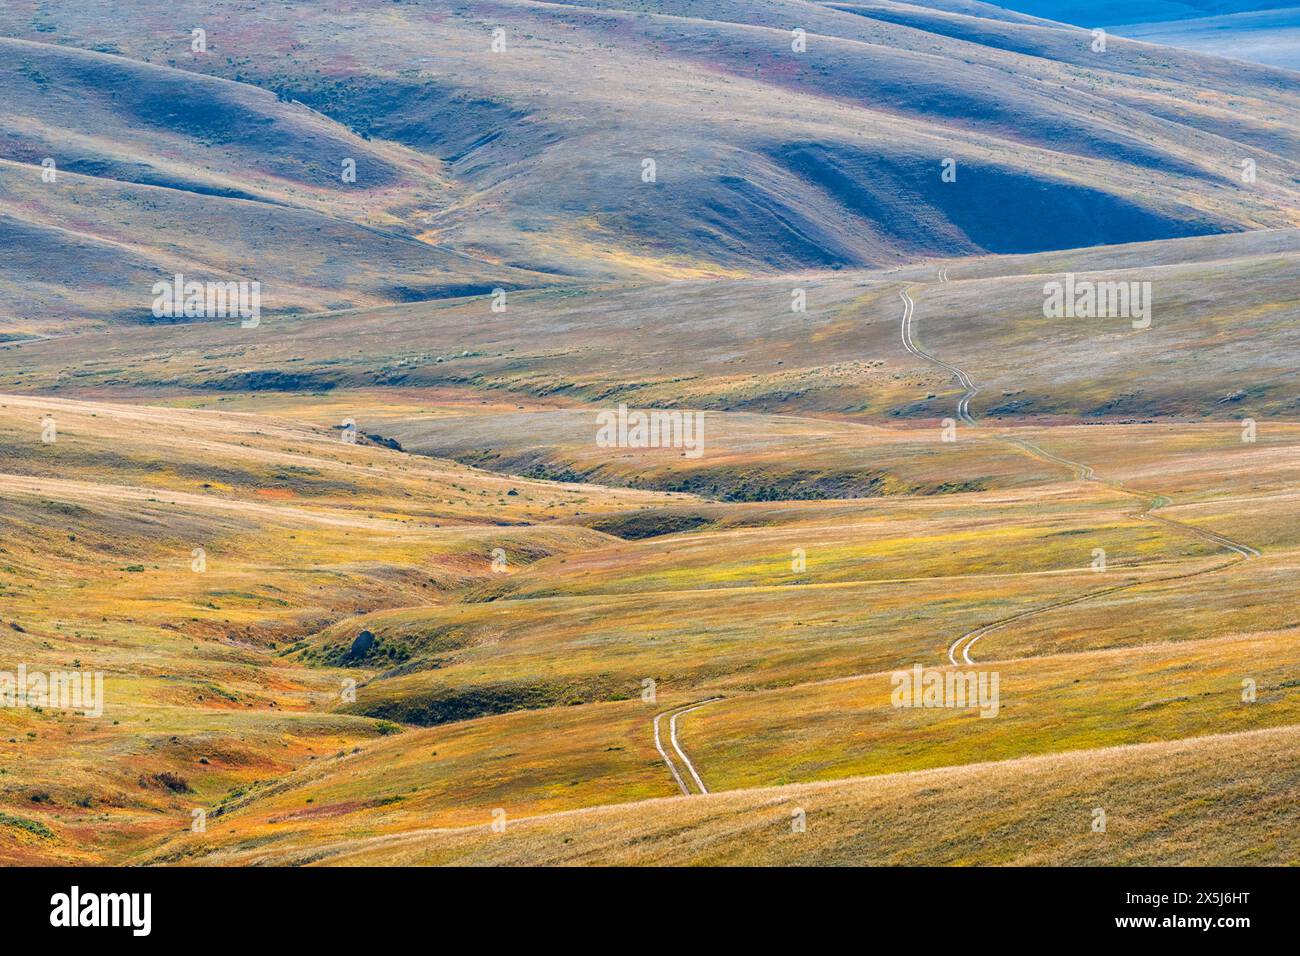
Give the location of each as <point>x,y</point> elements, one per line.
<point>962,646</point>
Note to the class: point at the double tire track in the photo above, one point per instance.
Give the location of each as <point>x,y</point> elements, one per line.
<point>959,650</point>
<point>963,403</point>
<point>672,716</point>
<point>1082,472</point>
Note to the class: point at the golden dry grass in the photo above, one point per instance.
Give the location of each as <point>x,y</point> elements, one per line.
<point>298,529</point>
<point>201,535</point>
<point>310,539</point>
<point>1219,800</point>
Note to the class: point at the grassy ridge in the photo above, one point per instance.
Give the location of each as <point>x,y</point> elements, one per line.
<point>1034,811</point>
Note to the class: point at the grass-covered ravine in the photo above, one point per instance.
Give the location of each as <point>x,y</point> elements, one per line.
<point>370,571</point>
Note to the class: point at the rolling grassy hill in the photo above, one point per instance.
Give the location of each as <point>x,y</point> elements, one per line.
<point>478,170</point>
<point>1222,333</point>
<point>1034,811</point>
<point>125,548</point>
<point>310,541</point>
<point>361,579</point>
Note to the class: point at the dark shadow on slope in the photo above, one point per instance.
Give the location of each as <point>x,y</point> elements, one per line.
<point>987,209</point>
<point>450,123</point>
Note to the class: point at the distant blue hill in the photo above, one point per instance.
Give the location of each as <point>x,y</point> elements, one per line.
<point>1091,13</point>
<point>1258,31</point>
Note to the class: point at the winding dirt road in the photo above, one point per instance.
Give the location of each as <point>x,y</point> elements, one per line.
<point>1082,472</point>
<point>963,403</point>
<point>959,651</point>
<point>672,716</point>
